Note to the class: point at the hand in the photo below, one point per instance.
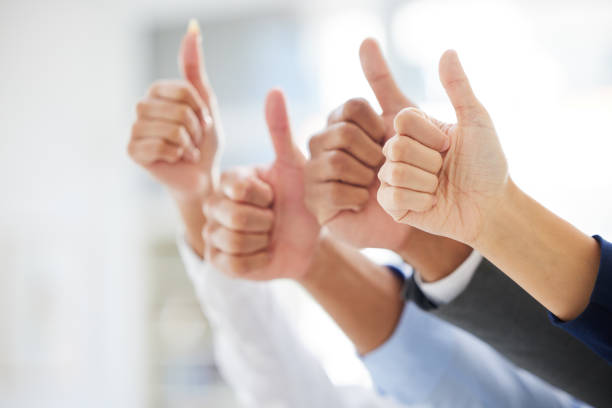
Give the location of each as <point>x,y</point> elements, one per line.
<point>340,176</point>
<point>177,134</point>
<point>453,196</point>
<point>258,226</point>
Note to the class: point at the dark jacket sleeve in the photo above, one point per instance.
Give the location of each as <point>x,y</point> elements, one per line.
<point>594,325</point>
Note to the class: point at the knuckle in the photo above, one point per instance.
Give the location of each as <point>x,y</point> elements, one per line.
<point>242,190</point>
<point>404,120</point>
<point>135,129</point>
<point>337,161</point>
<point>161,149</point>
<point>347,133</point>
<point>314,141</point>
<point>154,88</point>
<point>438,161</point>
<point>396,174</point>
<point>142,108</point>
<point>183,91</point>
<point>238,219</point>
<point>396,195</point>
<point>433,181</point>
<point>335,192</point>
<point>355,107</point>
<point>179,133</point>
<point>381,197</point>
<point>399,150</point>
<point>185,113</point>
<point>236,242</point>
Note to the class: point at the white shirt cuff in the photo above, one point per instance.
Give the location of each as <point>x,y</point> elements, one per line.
<point>445,290</point>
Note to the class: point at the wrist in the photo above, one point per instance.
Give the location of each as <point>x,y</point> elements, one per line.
<point>206,186</point>
<point>319,263</point>
<point>192,214</point>
<point>433,256</point>
<point>499,219</point>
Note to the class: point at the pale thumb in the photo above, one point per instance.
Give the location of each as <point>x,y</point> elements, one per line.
<point>467,108</point>
<point>191,61</point>
<point>376,71</point>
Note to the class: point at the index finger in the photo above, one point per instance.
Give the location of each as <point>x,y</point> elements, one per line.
<point>415,124</point>
<point>245,187</point>
<point>359,112</point>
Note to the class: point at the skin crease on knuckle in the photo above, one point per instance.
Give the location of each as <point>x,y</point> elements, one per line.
<point>241,190</point>
<point>141,108</point>
<point>355,107</point>
<point>337,162</point>
<point>341,164</point>
<point>405,120</point>
<point>347,134</point>
<point>239,219</point>
<point>236,242</point>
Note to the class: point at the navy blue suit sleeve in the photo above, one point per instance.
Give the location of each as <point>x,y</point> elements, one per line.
<point>594,325</point>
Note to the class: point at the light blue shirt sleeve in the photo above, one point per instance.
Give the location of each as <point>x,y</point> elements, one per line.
<point>432,363</point>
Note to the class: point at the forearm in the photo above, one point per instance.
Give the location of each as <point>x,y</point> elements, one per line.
<point>433,256</point>
<point>362,297</point>
<point>194,220</point>
<point>552,260</point>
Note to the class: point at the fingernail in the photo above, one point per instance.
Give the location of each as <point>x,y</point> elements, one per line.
<point>193,26</point>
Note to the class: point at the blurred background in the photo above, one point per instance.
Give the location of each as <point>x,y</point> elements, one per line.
<point>95,308</point>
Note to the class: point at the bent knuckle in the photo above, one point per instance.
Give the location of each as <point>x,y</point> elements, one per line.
<point>336,193</point>
<point>236,242</point>
<point>184,113</point>
<point>338,162</point>
<point>396,174</point>
<point>347,133</point>
<point>238,219</point>
<point>142,108</point>
<point>355,107</point>
<point>242,190</point>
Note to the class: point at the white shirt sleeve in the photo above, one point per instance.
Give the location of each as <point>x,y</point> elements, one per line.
<point>445,290</point>
<point>256,349</point>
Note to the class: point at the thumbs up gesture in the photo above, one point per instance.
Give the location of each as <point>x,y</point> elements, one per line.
<point>177,132</point>
<point>341,181</point>
<point>258,226</point>
<point>444,179</point>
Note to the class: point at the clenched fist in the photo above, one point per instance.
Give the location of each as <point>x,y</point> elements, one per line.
<point>341,181</point>
<point>445,179</point>
<point>177,133</point>
<point>258,227</point>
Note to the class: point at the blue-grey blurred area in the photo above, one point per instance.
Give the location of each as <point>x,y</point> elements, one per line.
<point>95,307</point>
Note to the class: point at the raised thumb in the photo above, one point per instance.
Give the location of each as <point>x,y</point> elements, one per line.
<point>280,130</point>
<point>191,61</point>
<point>454,80</point>
<point>376,71</point>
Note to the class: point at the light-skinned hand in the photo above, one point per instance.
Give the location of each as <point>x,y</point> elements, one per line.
<point>177,134</point>
<point>446,188</point>
<point>258,226</point>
